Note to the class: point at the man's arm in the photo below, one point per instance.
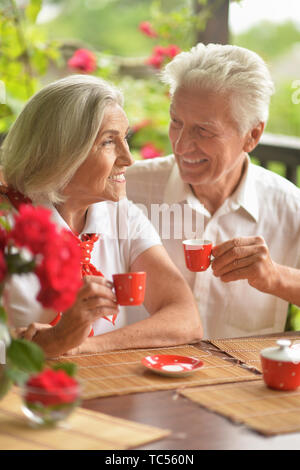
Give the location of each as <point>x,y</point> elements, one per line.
<point>174,318</point>
<point>249,258</point>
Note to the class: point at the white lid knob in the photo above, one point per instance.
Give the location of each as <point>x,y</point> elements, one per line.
<point>283,343</point>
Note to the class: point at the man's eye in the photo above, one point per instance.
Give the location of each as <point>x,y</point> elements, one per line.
<point>175,122</point>
<point>205,132</point>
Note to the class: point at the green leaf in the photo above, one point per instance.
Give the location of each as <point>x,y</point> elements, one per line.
<point>4,223</point>
<point>25,355</point>
<point>69,367</point>
<point>3,315</point>
<point>33,9</point>
<point>17,376</point>
<point>5,381</point>
<point>17,264</point>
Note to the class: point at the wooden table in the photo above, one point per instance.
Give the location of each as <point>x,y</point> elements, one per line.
<point>193,427</point>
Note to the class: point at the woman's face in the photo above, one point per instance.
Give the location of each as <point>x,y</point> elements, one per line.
<point>102,175</point>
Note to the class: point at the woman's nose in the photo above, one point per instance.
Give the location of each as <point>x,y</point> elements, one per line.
<point>126,157</point>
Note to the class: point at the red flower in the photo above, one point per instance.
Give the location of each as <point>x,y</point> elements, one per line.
<point>146,28</point>
<point>156,60</point>
<point>58,256</point>
<point>3,267</point>
<point>159,50</point>
<point>150,151</point>
<point>52,387</point>
<point>83,60</point>
<point>172,50</point>
<point>159,54</point>
<point>3,239</point>
<point>59,272</point>
<point>33,228</point>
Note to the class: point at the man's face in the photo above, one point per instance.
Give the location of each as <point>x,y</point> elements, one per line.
<point>205,140</point>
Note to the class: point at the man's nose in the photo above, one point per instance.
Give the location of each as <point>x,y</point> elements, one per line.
<point>184,142</point>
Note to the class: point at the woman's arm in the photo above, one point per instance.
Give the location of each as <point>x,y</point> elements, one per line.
<point>94,300</point>
<point>174,318</point>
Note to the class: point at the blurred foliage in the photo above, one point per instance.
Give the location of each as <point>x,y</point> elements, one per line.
<point>24,55</point>
<point>270,40</point>
<point>293,319</point>
<point>104,25</point>
<point>284,114</point>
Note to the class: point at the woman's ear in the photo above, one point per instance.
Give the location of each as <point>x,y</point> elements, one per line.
<point>253,136</point>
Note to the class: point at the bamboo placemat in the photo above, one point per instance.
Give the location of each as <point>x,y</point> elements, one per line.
<point>86,430</point>
<point>247,349</point>
<point>121,372</point>
<point>267,411</point>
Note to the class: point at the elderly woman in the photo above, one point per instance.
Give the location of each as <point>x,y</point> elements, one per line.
<point>68,150</point>
<point>219,108</point>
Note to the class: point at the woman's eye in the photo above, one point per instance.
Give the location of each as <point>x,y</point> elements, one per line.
<point>107,142</point>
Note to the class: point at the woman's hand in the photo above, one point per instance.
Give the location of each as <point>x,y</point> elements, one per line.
<point>94,300</point>
<point>30,331</point>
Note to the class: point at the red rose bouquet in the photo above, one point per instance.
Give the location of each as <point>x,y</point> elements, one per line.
<point>50,396</point>
<point>32,243</point>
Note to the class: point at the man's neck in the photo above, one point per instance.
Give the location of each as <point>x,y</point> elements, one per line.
<point>212,196</point>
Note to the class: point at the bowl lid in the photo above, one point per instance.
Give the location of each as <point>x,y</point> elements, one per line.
<point>282,352</point>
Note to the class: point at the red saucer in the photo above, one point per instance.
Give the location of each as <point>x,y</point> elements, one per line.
<point>171,365</point>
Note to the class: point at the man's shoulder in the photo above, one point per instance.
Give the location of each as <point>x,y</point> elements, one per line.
<point>156,166</point>
<point>146,180</point>
<point>271,185</point>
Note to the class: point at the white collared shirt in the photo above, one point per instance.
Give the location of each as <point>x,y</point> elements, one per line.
<point>264,204</point>
<point>124,232</point>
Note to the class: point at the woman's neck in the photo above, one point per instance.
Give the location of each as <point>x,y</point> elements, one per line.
<point>73,215</point>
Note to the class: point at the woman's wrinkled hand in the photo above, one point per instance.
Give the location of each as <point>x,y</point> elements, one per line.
<point>95,299</point>
<point>30,331</point>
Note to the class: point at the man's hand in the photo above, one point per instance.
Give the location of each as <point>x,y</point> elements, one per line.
<point>246,258</point>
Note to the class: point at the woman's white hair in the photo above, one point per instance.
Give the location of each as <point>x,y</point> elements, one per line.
<point>54,134</point>
<point>238,73</point>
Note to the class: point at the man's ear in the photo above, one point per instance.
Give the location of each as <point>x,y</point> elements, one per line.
<point>253,136</point>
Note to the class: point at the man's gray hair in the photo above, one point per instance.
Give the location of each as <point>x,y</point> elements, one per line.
<point>239,73</point>
<point>54,134</point>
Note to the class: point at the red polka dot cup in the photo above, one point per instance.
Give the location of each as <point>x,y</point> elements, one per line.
<point>197,254</point>
<point>130,288</point>
<point>281,366</point>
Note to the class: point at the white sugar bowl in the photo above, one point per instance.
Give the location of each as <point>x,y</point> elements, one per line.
<point>281,366</point>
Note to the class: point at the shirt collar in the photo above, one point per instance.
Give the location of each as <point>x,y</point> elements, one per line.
<point>177,191</point>
<point>245,195</point>
<point>98,219</point>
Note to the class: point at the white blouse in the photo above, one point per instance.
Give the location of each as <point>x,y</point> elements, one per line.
<point>124,232</point>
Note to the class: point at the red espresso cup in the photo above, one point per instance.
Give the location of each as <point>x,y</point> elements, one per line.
<point>197,254</point>
<point>130,288</point>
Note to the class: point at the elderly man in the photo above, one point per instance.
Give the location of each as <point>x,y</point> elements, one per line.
<point>219,107</point>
